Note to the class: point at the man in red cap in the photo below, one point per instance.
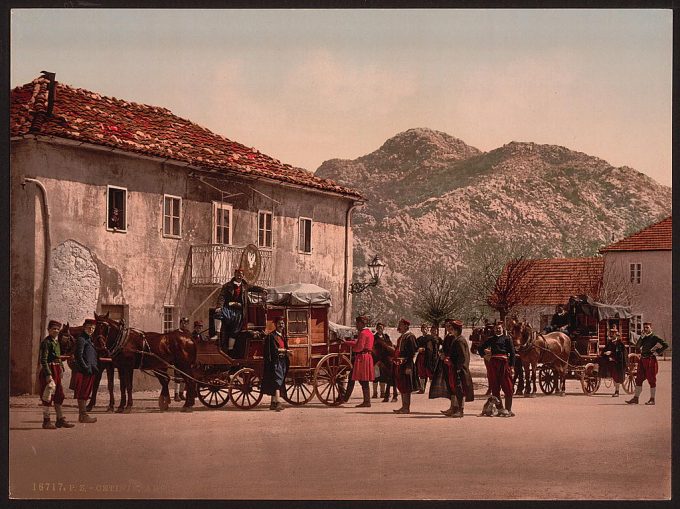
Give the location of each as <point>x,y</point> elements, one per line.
<point>362,368</point>
<point>276,364</point>
<point>457,363</point>
<point>86,367</point>
<point>650,346</point>
<point>405,375</point>
<point>49,377</point>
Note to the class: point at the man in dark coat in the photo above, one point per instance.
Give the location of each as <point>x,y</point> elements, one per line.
<point>86,367</point>
<point>423,341</point>
<point>559,320</point>
<point>383,350</point>
<point>457,361</point>
<point>404,370</point>
<point>500,367</point>
<point>49,377</point>
<point>612,362</point>
<point>650,346</point>
<point>232,308</point>
<point>276,364</point>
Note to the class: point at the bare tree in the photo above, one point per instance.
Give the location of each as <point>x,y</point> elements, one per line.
<point>498,274</point>
<point>440,294</point>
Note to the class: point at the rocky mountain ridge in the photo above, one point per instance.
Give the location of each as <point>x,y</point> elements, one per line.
<point>432,197</point>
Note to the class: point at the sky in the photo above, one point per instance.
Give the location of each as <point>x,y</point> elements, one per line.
<point>305,86</point>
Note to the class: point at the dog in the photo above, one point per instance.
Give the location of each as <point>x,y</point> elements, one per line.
<point>490,408</point>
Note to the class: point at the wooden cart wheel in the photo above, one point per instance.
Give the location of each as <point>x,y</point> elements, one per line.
<point>546,379</point>
<point>631,371</point>
<point>629,380</point>
<point>299,388</point>
<point>245,389</point>
<point>589,383</point>
<point>215,394</point>
<point>330,378</point>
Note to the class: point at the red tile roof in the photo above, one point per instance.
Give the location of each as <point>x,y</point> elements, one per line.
<point>89,117</point>
<point>552,281</point>
<point>657,237</point>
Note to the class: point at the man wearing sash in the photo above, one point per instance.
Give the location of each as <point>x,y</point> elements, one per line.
<point>500,367</point>
<point>457,368</point>
<point>49,377</point>
<point>405,374</point>
<point>650,346</point>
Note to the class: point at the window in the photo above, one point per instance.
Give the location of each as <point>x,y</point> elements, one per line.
<point>222,218</point>
<point>305,242</point>
<point>636,325</point>
<point>116,209</point>
<point>297,322</point>
<point>264,229</point>
<point>168,318</point>
<point>172,208</point>
<point>635,273</point>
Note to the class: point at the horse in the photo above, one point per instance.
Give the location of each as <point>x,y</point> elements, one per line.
<point>553,348</point>
<point>132,349</point>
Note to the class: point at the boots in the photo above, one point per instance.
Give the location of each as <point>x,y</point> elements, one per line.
<point>382,391</point>
<point>423,382</point>
<point>218,328</point>
<point>652,396</point>
<point>459,408</point>
<point>508,407</point>
<point>47,424</point>
<point>375,390</point>
<point>449,412</point>
<point>63,423</point>
<point>636,398</point>
<point>366,391</point>
<point>82,413</point>
<point>405,404</point>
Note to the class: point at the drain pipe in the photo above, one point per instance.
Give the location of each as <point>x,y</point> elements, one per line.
<point>48,250</point>
<point>348,275</point>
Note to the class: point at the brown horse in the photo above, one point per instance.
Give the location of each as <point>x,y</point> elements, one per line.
<point>552,349</point>
<point>132,349</point>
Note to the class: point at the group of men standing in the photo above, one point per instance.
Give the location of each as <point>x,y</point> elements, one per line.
<point>446,363</point>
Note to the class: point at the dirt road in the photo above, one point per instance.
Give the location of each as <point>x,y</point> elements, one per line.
<point>571,447</point>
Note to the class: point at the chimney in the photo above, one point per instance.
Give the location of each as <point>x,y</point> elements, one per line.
<point>51,90</point>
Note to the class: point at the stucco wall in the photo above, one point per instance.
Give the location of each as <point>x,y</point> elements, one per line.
<point>141,268</point>
<point>653,297</point>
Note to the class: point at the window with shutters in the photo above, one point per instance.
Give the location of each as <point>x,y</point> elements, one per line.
<point>305,237</point>
<point>635,273</point>
<point>116,209</point>
<point>264,229</point>
<point>172,209</point>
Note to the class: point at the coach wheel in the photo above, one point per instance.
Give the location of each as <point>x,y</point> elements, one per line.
<point>589,383</point>
<point>245,389</point>
<point>299,389</point>
<point>215,394</point>
<point>629,382</point>
<point>546,379</point>
<point>330,378</point>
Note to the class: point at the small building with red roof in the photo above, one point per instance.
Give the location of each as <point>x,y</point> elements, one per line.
<point>642,263</point>
<point>130,209</point>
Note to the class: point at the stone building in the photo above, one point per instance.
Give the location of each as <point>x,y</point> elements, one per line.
<point>642,264</point>
<point>127,208</point>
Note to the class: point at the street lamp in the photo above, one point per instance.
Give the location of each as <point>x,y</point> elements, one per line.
<point>375,267</point>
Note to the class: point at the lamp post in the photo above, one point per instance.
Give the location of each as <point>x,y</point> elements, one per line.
<point>375,267</point>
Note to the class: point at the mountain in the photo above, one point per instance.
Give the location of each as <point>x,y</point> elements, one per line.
<point>433,198</point>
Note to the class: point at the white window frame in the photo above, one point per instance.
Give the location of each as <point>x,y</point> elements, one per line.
<point>218,205</point>
<point>261,213</point>
<point>179,216</point>
<point>172,319</point>
<point>636,322</point>
<point>635,273</point>
<point>108,211</point>
<point>301,220</point>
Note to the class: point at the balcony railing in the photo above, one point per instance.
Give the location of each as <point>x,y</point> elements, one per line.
<point>214,264</point>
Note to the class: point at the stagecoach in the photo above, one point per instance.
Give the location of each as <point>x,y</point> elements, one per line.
<point>590,323</point>
<point>319,365</point>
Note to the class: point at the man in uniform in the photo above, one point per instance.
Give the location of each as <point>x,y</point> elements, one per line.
<point>86,368</point>
<point>232,308</point>
<point>423,340</point>
<point>405,374</point>
<point>650,345</point>
<point>500,367</point>
<point>276,364</point>
<point>49,377</point>
<point>179,386</point>
<point>457,361</point>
